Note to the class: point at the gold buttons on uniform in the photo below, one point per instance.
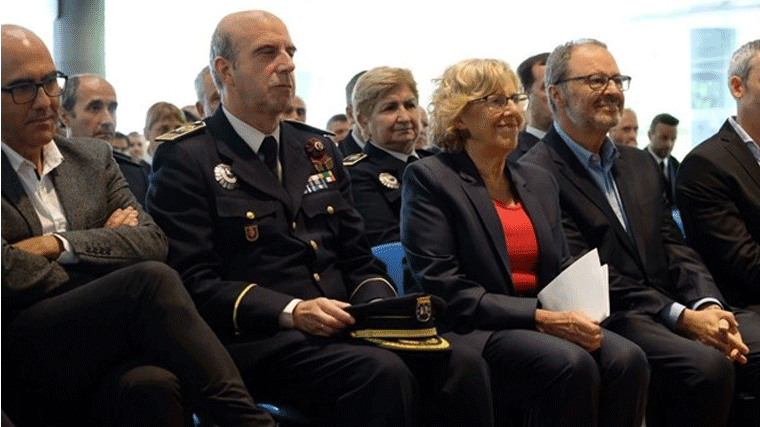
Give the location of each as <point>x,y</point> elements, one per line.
<point>313,245</point>
<point>330,210</point>
<point>250,215</point>
<point>316,277</point>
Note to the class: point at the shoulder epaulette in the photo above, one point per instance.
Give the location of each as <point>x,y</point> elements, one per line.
<point>182,131</point>
<point>308,128</point>
<point>354,159</point>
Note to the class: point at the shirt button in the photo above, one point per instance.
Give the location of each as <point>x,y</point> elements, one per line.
<point>316,277</point>
<point>293,226</point>
<point>330,210</point>
<point>250,215</point>
<point>313,245</point>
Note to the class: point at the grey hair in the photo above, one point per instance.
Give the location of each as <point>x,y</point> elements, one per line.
<point>200,88</point>
<point>221,46</point>
<point>69,92</point>
<point>558,63</point>
<point>741,60</point>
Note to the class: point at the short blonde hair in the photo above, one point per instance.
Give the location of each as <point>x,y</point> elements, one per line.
<point>461,83</point>
<point>373,85</point>
<point>160,110</point>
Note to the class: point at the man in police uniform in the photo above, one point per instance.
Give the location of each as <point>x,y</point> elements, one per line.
<point>260,227</point>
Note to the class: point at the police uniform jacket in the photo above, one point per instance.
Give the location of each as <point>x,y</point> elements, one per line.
<point>246,244</point>
<point>376,188</point>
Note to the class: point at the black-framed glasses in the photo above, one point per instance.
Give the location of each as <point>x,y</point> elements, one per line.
<point>26,92</point>
<point>599,81</point>
<point>497,101</point>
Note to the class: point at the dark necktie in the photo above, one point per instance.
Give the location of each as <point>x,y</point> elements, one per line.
<point>268,150</point>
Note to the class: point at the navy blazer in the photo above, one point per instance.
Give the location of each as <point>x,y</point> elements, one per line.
<point>289,242</point>
<point>718,193</point>
<point>647,272</point>
<point>455,244</point>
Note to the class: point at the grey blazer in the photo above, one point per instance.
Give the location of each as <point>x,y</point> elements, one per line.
<point>90,187</point>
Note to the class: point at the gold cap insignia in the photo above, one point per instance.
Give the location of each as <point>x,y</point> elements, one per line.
<point>389,180</point>
<point>424,309</point>
<point>225,177</point>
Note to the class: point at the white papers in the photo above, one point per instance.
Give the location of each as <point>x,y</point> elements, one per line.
<point>583,286</point>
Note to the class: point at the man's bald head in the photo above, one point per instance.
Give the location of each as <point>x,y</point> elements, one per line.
<point>28,126</point>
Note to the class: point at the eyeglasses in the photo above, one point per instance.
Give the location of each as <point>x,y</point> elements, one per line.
<point>499,102</point>
<point>26,92</point>
<point>599,81</point>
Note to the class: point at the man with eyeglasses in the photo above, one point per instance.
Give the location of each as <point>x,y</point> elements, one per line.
<point>662,297</point>
<point>95,330</point>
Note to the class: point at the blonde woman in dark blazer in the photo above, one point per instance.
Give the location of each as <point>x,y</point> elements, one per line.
<point>486,235</point>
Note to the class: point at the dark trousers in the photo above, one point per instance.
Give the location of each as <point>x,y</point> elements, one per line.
<point>346,383</point>
<point>692,384</point>
<point>129,349</point>
<point>562,384</point>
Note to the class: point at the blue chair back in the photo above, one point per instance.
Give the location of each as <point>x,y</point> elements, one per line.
<point>677,218</point>
<point>392,254</point>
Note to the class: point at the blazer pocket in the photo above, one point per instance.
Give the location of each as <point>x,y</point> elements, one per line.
<point>242,220</point>
<point>325,209</point>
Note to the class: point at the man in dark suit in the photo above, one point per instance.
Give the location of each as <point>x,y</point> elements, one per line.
<point>261,229</point>
<point>95,331</point>
<point>718,189</point>
<point>662,296</point>
<point>538,115</point>
<point>89,111</point>
<point>354,142</point>
<point>662,137</point>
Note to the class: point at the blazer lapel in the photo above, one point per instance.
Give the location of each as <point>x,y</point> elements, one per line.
<point>739,150</point>
<point>245,164</point>
<point>632,209</point>
<point>534,210</point>
<point>576,173</point>
<point>14,193</point>
<point>476,191</point>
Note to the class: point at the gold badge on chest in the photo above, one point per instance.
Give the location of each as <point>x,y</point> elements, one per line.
<point>224,176</point>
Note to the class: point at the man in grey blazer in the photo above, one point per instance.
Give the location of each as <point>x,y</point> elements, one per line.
<point>95,331</point>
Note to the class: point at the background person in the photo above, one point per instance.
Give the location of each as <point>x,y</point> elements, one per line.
<point>662,136</point>
<point>627,129</point>
<point>718,189</point>
<point>385,106</point>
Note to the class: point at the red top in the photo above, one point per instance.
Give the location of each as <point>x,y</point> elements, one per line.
<point>522,247</point>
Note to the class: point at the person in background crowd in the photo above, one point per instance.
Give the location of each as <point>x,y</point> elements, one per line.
<point>422,142</point>
<point>258,216</point>
<point>662,297</point>
<point>296,111</point>
<point>95,330</point>
<point>718,189</point>
<point>662,137</point>
<point>208,95</point>
<point>88,110</point>
<point>627,129</point>
<point>161,118</point>
<point>538,115</point>
<point>339,126</point>
<point>353,142</point>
